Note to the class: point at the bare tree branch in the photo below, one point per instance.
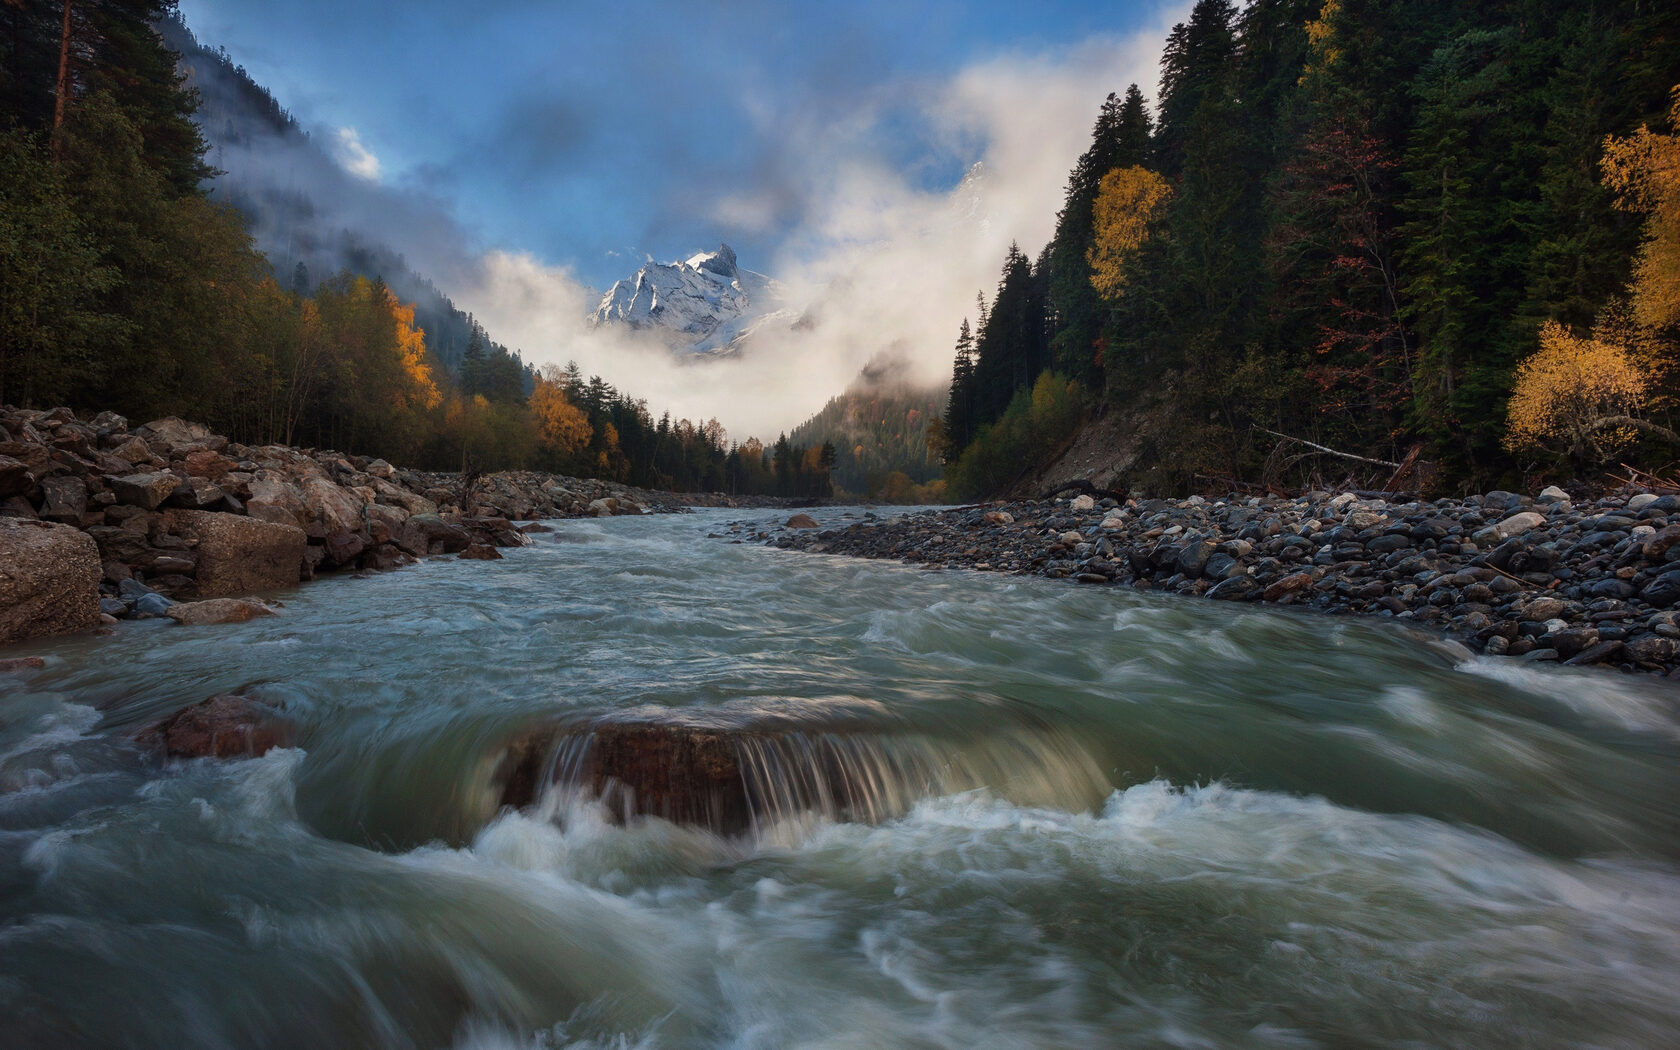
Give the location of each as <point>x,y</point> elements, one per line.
<point>1333,452</point>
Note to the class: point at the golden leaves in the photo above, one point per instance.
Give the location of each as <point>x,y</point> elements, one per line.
<point>1128,199</point>
<point>1570,390</point>
<point>1643,170</point>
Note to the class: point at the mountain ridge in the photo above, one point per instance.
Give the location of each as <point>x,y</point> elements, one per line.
<point>705,305</point>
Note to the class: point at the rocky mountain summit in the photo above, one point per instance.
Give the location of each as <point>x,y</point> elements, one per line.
<point>706,304</point>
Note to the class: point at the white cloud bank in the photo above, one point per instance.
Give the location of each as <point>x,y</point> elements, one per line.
<point>881,265</point>
<point>357,159</point>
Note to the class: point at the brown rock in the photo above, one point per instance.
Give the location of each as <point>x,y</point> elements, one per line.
<point>197,493</point>
<point>49,580</point>
<point>430,534</point>
<point>15,478</point>
<point>386,557</point>
<point>683,774</point>
<point>343,546</point>
<point>224,726</point>
<point>146,491</point>
<point>240,555</point>
<point>64,499</point>
<point>218,611</point>
<point>21,663</point>
<point>134,450</point>
<point>1658,545</point>
<point>802,521</point>
<point>332,506</point>
<point>1287,585</point>
<point>274,499</point>
<point>34,457</point>
<point>481,552</point>
<point>172,434</point>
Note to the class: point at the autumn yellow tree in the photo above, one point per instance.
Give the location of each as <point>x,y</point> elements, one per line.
<point>1128,200</point>
<point>562,426</point>
<point>1644,171</point>
<point>1580,396</point>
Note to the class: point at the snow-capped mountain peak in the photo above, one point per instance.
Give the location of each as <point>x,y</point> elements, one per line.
<point>704,304</point>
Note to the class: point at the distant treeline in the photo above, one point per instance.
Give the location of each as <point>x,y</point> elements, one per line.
<point>880,438</point>
<point>123,287</point>
<point>1350,221</point>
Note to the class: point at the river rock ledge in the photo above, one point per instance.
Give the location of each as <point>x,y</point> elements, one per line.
<point>1541,579</point>
<point>98,519</point>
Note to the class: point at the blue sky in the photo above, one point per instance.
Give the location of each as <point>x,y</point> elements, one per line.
<point>588,135</point>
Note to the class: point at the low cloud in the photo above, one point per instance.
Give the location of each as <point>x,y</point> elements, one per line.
<point>357,159</point>
<point>880,249</point>
<point>878,265</point>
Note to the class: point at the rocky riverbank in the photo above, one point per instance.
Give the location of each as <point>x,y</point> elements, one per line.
<point>1536,578</point>
<point>99,520</point>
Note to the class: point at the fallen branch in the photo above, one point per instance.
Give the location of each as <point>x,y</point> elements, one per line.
<point>1332,452</point>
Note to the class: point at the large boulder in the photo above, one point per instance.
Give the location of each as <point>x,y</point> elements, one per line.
<point>240,555</point>
<point>49,579</point>
<point>224,726</point>
<point>331,505</point>
<point>274,499</point>
<point>175,434</point>
<point>430,534</point>
<point>64,499</point>
<point>683,774</point>
<point>145,491</point>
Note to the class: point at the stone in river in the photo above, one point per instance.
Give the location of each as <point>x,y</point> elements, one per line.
<point>802,521</point>
<point>218,610</point>
<point>224,726</point>
<point>481,552</point>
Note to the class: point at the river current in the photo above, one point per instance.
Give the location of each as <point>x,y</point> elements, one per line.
<point>1131,820</point>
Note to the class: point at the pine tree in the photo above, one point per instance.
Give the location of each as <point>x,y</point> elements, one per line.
<point>1119,140</point>
<point>959,407</point>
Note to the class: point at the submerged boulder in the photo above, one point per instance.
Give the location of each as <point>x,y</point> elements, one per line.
<point>49,579</point>
<point>224,726</point>
<point>680,773</point>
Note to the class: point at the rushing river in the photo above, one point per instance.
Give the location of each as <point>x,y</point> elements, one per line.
<point>1102,818</point>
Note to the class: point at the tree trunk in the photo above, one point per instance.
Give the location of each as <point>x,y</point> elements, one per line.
<point>61,101</point>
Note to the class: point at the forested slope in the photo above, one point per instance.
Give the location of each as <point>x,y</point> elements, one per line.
<point>1348,221</point>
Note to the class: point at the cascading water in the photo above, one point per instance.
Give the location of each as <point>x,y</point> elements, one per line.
<point>952,811</point>
<point>738,773</point>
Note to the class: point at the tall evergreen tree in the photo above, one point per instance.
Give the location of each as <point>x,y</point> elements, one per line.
<point>1119,140</point>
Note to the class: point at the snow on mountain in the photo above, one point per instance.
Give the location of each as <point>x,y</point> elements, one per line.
<point>705,304</point>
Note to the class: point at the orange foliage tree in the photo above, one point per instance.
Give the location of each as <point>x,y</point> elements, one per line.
<point>1578,396</point>
<point>1644,171</point>
<point>563,428</point>
<point>1128,199</point>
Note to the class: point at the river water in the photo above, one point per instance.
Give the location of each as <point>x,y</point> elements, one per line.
<point>1131,820</point>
